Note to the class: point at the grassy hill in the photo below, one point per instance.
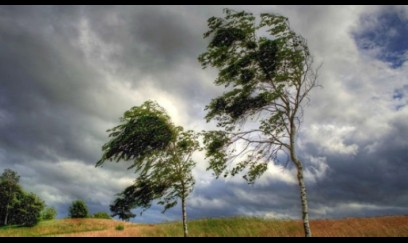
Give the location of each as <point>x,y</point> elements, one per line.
<point>237,226</point>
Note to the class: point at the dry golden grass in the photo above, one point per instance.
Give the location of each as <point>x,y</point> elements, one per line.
<point>375,226</point>
<point>130,230</point>
<point>241,226</point>
<point>236,226</point>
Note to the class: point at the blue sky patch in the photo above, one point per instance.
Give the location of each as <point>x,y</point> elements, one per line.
<point>399,97</point>
<point>398,94</point>
<point>384,35</point>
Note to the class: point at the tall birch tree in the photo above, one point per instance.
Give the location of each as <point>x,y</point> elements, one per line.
<point>267,71</point>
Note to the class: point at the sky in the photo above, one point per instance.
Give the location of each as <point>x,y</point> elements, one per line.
<point>67,73</point>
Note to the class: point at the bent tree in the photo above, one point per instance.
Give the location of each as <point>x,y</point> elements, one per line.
<point>162,158</point>
<point>267,70</point>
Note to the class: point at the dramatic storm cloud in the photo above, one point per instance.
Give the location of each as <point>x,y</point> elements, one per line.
<point>68,73</point>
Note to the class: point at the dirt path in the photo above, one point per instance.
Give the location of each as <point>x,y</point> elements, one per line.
<point>129,231</point>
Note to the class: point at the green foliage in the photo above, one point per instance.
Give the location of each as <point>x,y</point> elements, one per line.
<point>266,68</point>
<point>167,178</point>
<point>49,213</point>
<point>10,190</point>
<point>101,215</point>
<point>145,131</point>
<point>17,207</point>
<point>122,206</point>
<point>119,227</point>
<point>161,153</point>
<point>27,211</point>
<point>215,141</point>
<point>78,209</point>
<point>9,193</point>
<point>139,195</point>
<point>10,177</point>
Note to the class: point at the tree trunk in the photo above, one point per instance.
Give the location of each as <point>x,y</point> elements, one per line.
<point>302,186</point>
<point>303,199</point>
<point>6,217</point>
<point>7,208</point>
<point>184,211</point>
<point>303,195</point>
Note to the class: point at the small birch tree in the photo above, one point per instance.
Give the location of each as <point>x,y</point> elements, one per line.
<point>161,155</point>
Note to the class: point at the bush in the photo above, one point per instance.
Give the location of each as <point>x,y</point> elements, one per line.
<point>102,215</point>
<point>27,211</point>
<point>17,207</point>
<point>48,214</point>
<point>78,209</point>
<point>120,227</point>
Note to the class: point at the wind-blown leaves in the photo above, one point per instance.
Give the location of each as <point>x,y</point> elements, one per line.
<point>145,130</point>
<point>161,153</point>
<point>270,77</point>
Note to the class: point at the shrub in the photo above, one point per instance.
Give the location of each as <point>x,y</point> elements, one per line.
<point>120,227</point>
<point>48,213</point>
<point>102,215</point>
<point>27,211</point>
<point>78,209</point>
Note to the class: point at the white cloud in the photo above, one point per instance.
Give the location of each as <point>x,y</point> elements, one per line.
<point>331,138</point>
<point>317,169</point>
<point>205,203</point>
<point>70,180</point>
<point>351,208</point>
<point>97,52</point>
<point>278,173</point>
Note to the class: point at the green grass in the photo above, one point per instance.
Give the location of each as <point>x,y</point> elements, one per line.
<point>120,227</point>
<point>221,227</point>
<point>55,227</point>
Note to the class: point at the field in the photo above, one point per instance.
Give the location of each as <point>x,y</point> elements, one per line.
<point>237,226</point>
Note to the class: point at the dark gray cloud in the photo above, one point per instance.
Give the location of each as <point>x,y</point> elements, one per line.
<point>69,72</point>
<point>373,177</point>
